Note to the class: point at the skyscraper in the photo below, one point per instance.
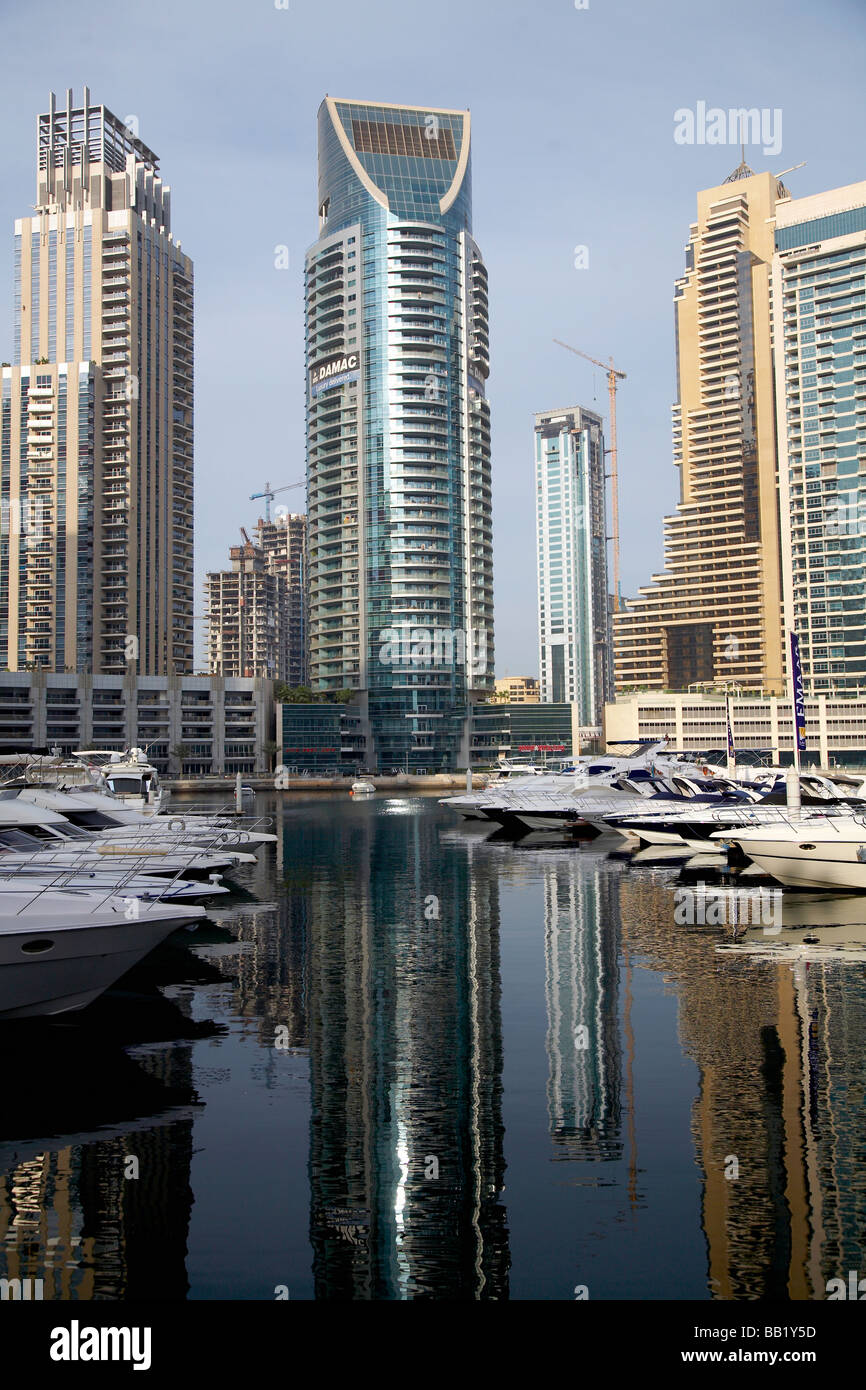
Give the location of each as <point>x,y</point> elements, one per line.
<point>819,301</point>
<point>714,615</point>
<point>571,539</point>
<point>398,429</point>
<point>96,429</point>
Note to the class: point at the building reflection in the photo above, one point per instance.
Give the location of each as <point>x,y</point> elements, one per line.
<point>406,1145</point>
<point>779,1123</point>
<point>69,1215</point>
<point>581,955</point>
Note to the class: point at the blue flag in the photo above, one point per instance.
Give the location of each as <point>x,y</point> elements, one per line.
<point>799,694</point>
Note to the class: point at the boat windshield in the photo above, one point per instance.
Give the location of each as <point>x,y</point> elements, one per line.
<point>16,839</point>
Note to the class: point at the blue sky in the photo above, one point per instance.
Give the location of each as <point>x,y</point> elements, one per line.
<point>573,125</point>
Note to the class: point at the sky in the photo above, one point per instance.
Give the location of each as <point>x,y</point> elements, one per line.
<point>573,120</point>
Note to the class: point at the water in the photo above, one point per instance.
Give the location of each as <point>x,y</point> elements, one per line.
<point>413,1062</point>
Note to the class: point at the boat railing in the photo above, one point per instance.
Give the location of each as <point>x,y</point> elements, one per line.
<point>216,813</point>
<point>130,871</point>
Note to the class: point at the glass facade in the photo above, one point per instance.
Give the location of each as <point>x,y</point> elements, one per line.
<point>398,430</point>
<point>821,285</point>
<point>571,531</point>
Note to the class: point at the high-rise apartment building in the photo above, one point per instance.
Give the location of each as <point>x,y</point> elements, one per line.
<point>284,543</point>
<point>398,430</point>
<point>714,615</point>
<point>96,414</point>
<point>819,304</point>
<point>571,542</point>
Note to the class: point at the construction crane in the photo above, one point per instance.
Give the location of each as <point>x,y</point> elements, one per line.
<point>612,375</point>
<point>270,492</point>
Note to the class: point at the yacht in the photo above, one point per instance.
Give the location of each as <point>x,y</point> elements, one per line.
<point>127,775</point>
<point>695,826</point>
<point>571,775</point>
<point>99,815</point>
<point>28,831</point>
<point>814,851</point>
<point>107,880</point>
<point>59,950</point>
<point>591,789</point>
<point>93,809</point>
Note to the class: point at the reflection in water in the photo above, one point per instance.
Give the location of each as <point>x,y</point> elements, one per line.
<point>69,1215</point>
<point>375,949</point>
<point>782,1093</point>
<point>581,951</point>
<point>406,1160</point>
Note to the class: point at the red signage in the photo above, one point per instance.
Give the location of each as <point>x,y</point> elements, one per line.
<point>541,747</point>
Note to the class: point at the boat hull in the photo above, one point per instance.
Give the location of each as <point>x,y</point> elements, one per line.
<point>828,866</point>
<point>47,970</point>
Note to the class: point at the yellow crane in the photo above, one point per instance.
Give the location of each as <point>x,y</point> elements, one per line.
<point>612,375</point>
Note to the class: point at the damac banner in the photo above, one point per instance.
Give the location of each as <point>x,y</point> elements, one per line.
<point>799,696</point>
<point>730,730</point>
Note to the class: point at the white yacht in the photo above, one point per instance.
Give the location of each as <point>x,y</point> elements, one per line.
<point>592,786</point>
<point>28,830</point>
<point>107,880</point>
<point>815,851</point>
<point>59,950</point>
<point>92,809</point>
<point>127,775</point>
<point>81,811</point>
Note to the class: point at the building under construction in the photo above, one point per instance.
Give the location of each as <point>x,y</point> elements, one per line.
<point>256,611</point>
<point>284,542</point>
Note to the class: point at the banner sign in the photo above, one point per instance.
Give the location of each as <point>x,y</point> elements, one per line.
<point>334,371</point>
<point>730,730</point>
<point>799,693</point>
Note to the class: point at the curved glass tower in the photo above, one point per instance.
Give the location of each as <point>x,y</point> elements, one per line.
<point>398,431</point>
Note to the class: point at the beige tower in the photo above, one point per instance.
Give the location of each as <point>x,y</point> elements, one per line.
<point>714,615</point>
<point>97,412</point>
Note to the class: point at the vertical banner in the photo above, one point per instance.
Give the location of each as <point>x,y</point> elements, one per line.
<point>730,729</point>
<point>799,697</point>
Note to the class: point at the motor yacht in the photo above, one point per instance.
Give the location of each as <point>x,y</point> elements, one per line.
<point>27,830</point>
<point>695,825</point>
<point>814,851</point>
<point>126,775</point>
<point>98,811</point>
<point>61,949</point>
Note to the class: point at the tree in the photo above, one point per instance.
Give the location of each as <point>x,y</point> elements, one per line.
<point>269,748</point>
<point>180,752</point>
<point>344,697</point>
<point>294,694</point>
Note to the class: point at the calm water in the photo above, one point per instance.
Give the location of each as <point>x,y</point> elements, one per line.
<point>408,1061</point>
